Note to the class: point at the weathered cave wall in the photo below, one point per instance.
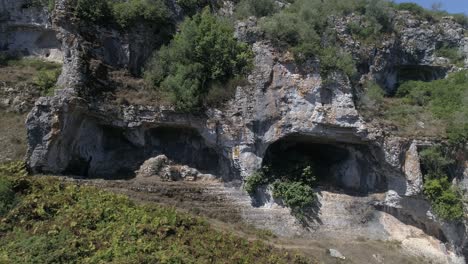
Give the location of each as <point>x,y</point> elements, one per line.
<point>26,30</point>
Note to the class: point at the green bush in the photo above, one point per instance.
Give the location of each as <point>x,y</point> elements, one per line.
<point>413,8</point>
<point>452,53</point>
<point>57,222</point>
<point>127,13</point>
<point>292,181</point>
<point>296,195</point>
<point>46,81</point>
<point>124,13</point>
<point>435,14</point>
<point>442,102</point>
<point>257,8</point>
<point>254,181</point>
<point>16,169</point>
<point>191,7</point>
<point>7,196</point>
<point>93,11</point>
<point>202,54</point>
<point>446,201</point>
<point>373,96</point>
<point>49,4</point>
<point>435,161</point>
<point>307,28</point>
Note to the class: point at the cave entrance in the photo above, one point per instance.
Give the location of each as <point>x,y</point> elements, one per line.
<point>392,79</point>
<point>118,152</point>
<point>184,146</point>
<point>349,167</point>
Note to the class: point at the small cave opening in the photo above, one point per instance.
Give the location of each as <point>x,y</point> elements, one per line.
<point>337,166</point>
<point>116,153</point>
<point>393,78</point>
<point>184,146</point>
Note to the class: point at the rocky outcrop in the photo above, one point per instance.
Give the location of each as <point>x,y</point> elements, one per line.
<point>166,169</point>
<point>284,104</point>
<point>408,54</point>
<point>26,30</point>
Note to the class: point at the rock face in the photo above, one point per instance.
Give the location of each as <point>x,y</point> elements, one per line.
<point>284,108</point>
<point>165,169</point>
<point>25,29</point>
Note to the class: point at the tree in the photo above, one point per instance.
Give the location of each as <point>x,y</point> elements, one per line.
<point>203,52</point>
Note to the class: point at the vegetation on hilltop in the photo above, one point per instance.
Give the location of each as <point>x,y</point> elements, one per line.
<point>30,71</point>
<point>44,220</point>
<point>440,105</point>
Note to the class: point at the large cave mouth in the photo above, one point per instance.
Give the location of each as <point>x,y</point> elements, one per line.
<point>392,79</point>
<point>349,167</point>
<point>118,152</point>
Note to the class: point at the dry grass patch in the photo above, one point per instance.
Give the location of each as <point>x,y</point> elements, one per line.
<point>12,136</point>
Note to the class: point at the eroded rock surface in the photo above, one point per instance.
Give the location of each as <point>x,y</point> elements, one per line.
<point>75,132</point>
<point>26,30</point>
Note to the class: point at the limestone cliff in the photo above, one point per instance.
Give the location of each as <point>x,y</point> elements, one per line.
<point>284,107</point>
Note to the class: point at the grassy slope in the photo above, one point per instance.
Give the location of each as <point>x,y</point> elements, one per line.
<point>22,75</point>
<point>54,222</point>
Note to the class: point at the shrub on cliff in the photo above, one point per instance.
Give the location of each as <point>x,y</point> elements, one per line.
<point>258,8</point>
<point>306,27</point>
<point>446,200</point>
<point>292,181</point>
<point>123,13</point>
<point>202,53</point>
<point>127,13</point>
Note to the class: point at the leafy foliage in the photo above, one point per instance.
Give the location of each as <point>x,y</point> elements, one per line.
<point>7,196</point>
<point>296,195</point>
<point>446,200</point>
<point>292,182</point>
<point>452,53</point>
<point>93,11</point>
<point>435,161</point>
<point>50,4</point>
<point>16,169</point>
<point>255,180</point>
<point>56,222</point>
<point>304,27</point>
<point>191,7</point>
<point>442,103</point>
<point>203,53</point>
<point>436,14</point>
<point>257,8</point>
<point>373,96</point>
<point>46,80</point>
<point>124,13</point>
<point>127,13</point>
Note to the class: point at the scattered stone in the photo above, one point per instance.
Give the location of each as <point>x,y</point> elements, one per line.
<point>152,166</point>
<point>335,254</point>
<point>378,258</point>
